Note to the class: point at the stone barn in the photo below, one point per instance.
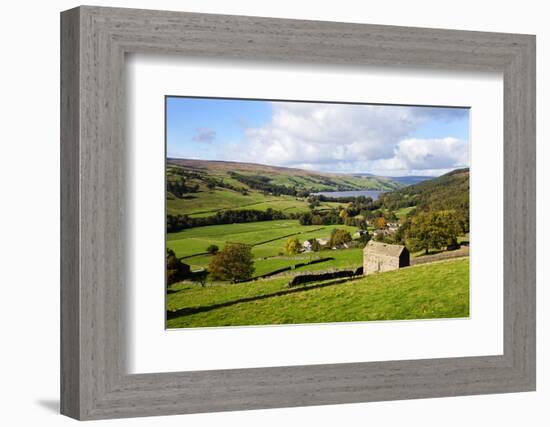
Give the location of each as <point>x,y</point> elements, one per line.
<point>378,256</point>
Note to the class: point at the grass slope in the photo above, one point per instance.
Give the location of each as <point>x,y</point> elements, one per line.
<point>437,290</point>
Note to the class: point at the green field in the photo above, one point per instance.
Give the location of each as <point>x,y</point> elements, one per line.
<point>402,213</point>
<point>208,202</point>
<point>436,290</point>
<point>267,239</point>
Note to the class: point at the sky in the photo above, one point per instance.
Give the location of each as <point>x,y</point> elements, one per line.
<point>384,140</point>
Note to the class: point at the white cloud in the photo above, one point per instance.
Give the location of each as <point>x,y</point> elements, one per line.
<point>426,154</point>
<point>350,138</point>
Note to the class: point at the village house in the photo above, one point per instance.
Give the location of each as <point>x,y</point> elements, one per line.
<point>378,257</point>
<point>390,229</point>
<point>307,246</point>
<point>322,242</point>
<point>359,233</point>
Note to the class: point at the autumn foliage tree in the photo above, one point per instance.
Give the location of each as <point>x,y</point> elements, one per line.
<point>380,222</point>
<point>292,246</point>
<point>234,263</point>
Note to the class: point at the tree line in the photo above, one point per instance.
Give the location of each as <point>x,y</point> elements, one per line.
<point>181,222</point>
<point>262,183</point>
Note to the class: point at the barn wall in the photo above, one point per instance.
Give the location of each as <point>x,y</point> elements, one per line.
<point>405,259</point>
<point>373,263</point>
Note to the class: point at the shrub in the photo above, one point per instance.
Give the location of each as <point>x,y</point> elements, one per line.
<point>212,249</point>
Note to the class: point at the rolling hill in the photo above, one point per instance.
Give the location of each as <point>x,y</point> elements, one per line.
<point>411,180</point>
<point>404,180</point>
<point>448,191</point>
<point>201,188</point>
<point>299,179</point>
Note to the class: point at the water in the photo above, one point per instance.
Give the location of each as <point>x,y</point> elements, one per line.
<point>355,193</point>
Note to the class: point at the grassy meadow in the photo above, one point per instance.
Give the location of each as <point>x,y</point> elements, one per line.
<point>436,290</point>
<point>267,239</point>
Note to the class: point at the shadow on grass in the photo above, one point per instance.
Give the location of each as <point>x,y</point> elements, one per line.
<point>430,252</point>
<point>194,310</point>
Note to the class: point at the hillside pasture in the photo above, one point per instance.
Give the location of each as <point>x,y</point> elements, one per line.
<point>207,202</point>
<point>435,290</point>
<point>267,238</point>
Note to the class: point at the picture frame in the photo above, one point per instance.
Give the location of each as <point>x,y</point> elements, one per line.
<point>94,380</point>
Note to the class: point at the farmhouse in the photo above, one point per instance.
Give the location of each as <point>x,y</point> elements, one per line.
<point>379,256</point>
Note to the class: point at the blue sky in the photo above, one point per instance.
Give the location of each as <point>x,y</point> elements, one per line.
<point>380,139</point>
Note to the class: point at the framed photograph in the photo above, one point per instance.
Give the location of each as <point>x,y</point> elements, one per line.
<point>262,213</point>
<point>277,211</point>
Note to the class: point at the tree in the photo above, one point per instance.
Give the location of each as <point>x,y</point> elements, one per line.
<point>199,277</point>
<point>379,236</point>
<point>305,218</point>
<point>315,245</point>
<point>338,237</point>
<point>176,271</point>
<point>234,262</point>
<point>400,236</point>
<point>433,230</point>
<point>450,221</point>
<point>364,238</point>
<point>391,216</point>
<point>212,249</point>
<point>380,222</point>
<point>316,220</point>
<point>313,201</point>
<point>292,246</point>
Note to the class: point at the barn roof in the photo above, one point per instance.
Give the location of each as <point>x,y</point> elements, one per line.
<point>383,248</point>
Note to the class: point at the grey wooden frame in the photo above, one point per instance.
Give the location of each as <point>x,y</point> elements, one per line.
<point>94,382</point>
